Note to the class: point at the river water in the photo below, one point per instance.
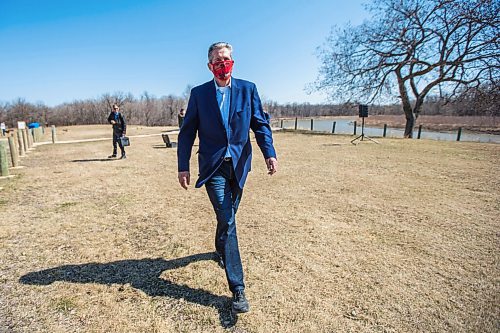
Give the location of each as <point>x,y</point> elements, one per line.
<point>346,126</point>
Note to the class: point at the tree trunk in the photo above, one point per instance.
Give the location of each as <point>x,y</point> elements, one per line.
<point>411,116</point>
<point>410,123</point>
<point>405,100</point>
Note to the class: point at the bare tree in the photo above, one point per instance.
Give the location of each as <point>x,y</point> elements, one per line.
<point>148,109</point>
<point>415,48</point>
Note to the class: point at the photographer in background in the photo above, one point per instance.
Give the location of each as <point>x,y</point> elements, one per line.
<point>116,119</point>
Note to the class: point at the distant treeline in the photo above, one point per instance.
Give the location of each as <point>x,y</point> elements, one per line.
<point>149,110</point>
<point>473,103</point>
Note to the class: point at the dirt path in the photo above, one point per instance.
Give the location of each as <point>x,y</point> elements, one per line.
<point>397,237</point>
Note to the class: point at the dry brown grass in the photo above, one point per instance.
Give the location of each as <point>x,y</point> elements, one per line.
<point>397,237</point>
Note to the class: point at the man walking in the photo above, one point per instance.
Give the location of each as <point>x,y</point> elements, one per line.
<point>222,111</point>
<point>116,119</point>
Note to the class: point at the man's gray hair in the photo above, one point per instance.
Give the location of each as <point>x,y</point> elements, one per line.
<point>216,46</point>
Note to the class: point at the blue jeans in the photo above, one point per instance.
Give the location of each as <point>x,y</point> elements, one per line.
<point>225,195</point>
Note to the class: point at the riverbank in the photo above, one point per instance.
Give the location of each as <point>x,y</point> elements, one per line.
<point>477,124</point>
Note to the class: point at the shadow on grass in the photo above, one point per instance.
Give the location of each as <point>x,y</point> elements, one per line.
<point>96,160</point>
<point>160,146</point>
<point>142,274</point>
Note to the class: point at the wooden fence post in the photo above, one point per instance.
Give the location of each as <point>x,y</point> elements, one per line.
<point>32,137</point>
<point>385,130</point>
<point>54,134</point>
<point>296,123</point>
<point>37,134</point>
<point>29,138</point>
<point>21,144</point>
<point>459,133</point>
<point>4,163</point>
<point>25,139</point>
<point>419,131</point>
<point>355,124</point>
<point>281,123</point>
<point>13,152</point>
<point>333,127</point>
<point>312,124</point>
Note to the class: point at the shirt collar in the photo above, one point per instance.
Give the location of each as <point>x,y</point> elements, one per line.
<point>222,88</point>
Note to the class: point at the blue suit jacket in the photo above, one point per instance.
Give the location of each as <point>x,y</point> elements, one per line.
<point>203,117</point>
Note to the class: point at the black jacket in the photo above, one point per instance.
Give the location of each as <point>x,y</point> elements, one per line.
<point>120,126</point>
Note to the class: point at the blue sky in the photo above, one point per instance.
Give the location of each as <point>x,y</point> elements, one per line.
<point>58,51</point>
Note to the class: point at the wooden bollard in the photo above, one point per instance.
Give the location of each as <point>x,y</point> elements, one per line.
<point>333,127</point>
<point>281,123</point>
<point>20,142</point>
<point>312,124</point>
<point>27,135</point>
<point>13,152</point>
<point>385,130</point>
<point>34,132</point>
<point>31,131</point>
<point>355,125</point>
<point>39,132</point>
<point>419,131</point>
<point>54,134</point>
<point>4,163</point>
<point>25,140</point>
<point>296,120</point>
<point>459,134</point>
<point>29,138</point>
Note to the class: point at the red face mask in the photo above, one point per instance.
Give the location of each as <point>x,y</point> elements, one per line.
<point>221,69</point>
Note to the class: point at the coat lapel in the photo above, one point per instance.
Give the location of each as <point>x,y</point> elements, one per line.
<point>235,90</point>
<point>212,102</point>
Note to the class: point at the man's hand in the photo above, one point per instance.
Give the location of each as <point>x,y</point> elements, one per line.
<point>184,179</point>
<point>272,165</point>
<point>113,122</point>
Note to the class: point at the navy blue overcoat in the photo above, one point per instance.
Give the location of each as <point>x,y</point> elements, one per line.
<point>203,118</point>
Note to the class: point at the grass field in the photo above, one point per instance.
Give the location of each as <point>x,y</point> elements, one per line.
<point>397,237</point>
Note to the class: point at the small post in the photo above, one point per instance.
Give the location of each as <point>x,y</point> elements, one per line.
<point>385,130</point>
<point>29,138</point>
<point>25,139</point>
<point>419,131</point>
<point>31,132</point>
<point>281,123</point>
<point>355,124</point>
<point>54,134</point>
<point>4,164</point>
<point>37,134</point>
<point>333,127</point>
<point>296,123</point>
<point>312,124</point>
<point>20,142</point>
<point>32,138</point>
<point>13,152</point>
<point>459,134</point>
